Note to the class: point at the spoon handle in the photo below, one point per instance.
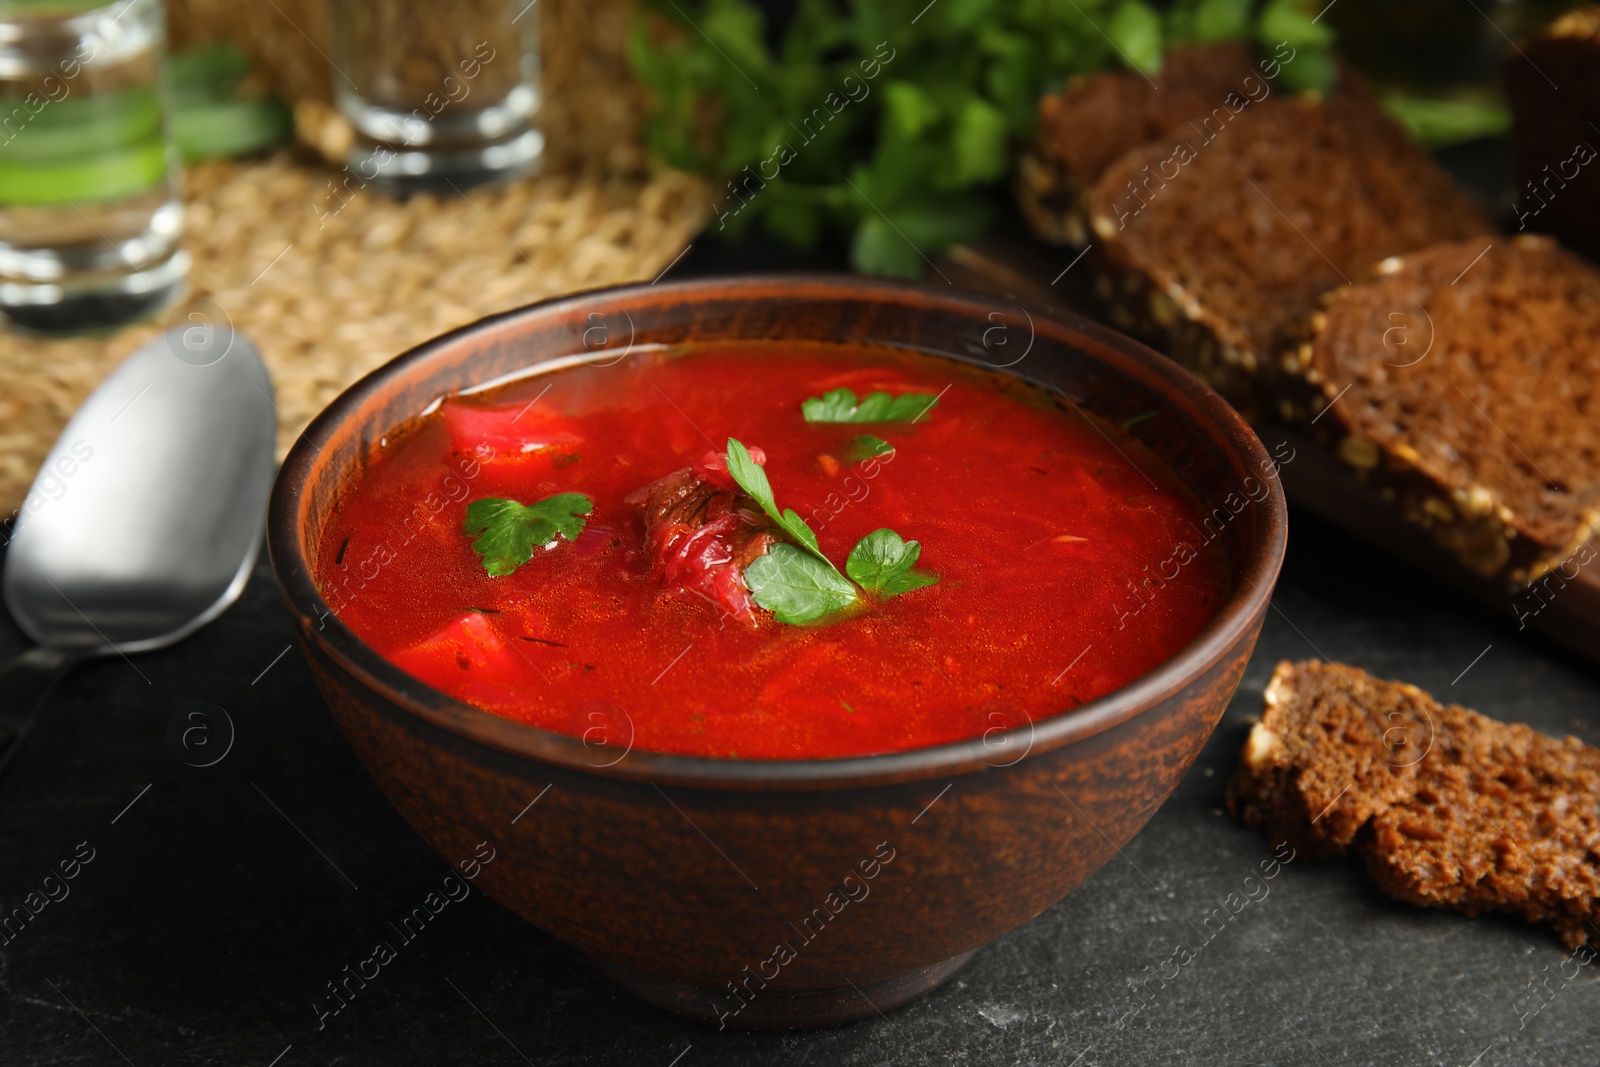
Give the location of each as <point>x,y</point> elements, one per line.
<point>25,682</point>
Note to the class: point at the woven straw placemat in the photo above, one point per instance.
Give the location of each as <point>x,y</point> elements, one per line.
<point>329,297</point>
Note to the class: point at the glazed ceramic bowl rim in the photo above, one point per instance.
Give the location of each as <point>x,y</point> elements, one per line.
<point>1232,621</point>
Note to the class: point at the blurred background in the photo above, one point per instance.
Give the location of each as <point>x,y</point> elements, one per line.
<point>341,180</point>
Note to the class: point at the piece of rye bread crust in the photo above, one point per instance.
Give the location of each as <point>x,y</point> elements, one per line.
<point>1555,146</point>
<point>1209,249</point>
<point>1458,381</point>
<point>1087,126</point>
<point>1448,808</point>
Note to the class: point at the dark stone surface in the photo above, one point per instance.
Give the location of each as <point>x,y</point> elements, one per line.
<point>218,905</point>
<point>222,900</point>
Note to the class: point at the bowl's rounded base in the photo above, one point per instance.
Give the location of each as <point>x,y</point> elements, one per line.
<point>768,1009</point>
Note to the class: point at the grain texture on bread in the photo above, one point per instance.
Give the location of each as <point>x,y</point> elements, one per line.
<point>1555,146</point>
<point>1095,119</point>
<point>1448,808</point>
<point>1211,247</point>
<point>1461,380</point>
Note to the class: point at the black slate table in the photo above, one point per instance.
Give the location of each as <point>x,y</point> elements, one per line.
<point>220,900</point>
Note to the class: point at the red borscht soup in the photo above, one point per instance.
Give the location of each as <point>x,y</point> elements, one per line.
<point>769,552</point>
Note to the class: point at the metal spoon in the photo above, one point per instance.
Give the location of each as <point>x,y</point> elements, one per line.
<point>145,520</point>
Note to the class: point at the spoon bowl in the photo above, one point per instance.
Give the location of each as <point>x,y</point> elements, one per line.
<point>146,517</point>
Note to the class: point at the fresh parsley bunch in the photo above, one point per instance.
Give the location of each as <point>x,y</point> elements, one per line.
<point>893,120</point>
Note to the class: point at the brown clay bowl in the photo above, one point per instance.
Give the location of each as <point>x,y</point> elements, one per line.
<point>786,894</point>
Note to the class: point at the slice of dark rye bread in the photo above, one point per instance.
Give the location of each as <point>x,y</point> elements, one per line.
<point>1209,247</point>
<point>1448,808</point>
<point>1464,382</point>
<point>1084,128</point>
<point>1553,85</point>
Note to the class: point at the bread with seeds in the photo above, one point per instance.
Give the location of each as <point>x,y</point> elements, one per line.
<point>1084,128</point>
<point>1448,808</point>
<point>1458,382</point>
<point>1210,246</point>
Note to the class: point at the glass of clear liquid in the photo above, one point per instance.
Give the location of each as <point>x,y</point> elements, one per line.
<point>440,95</point>
<point>89,210</point>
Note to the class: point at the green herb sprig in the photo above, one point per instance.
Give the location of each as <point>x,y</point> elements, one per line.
<point>867,446</point>
<point>841,405</point>
<point>797,587</point>
<point>507,532</point>
<point>753,480</point>
<point>882,562</point>
<point>891,122</point>
<point>801,587</point>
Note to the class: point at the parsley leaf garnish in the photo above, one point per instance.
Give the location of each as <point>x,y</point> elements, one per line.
<point>507,532</point>
<point>796,587</point>
<point>882,562</point>
<point>753,480</point>
<point>867,446</point>
<point>840,405</point>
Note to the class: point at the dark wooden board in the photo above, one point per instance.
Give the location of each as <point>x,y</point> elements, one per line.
<point>1566,611</point>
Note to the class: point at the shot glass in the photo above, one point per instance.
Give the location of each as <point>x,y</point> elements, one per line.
<point>439,94</point>
<point>89,210</point>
